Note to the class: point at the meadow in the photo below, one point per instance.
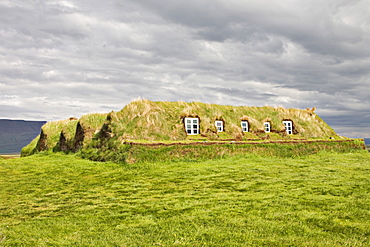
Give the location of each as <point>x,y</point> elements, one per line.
<point>246,200</point>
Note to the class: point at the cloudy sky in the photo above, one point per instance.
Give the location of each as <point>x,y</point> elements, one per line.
<point>67,58</point>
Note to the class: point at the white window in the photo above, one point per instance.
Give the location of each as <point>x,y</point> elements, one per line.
<point>219,126</point>
<point>267,127</point>
<point>288,127</point>
<point>192,126</point>
<point>245,127</point>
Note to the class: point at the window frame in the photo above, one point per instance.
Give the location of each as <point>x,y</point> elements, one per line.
<point>221,126</point>
<point>189,127</point>
<point>247,125</point>
<point>287,130</point>
<point>267,127</point>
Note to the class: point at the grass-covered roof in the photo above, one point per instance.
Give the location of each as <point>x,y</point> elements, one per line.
<point>144,120</point>
<point>148,120</point>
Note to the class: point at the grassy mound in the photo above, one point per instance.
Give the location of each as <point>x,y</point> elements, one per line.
<point>108,136</point>
<point>66,135</point>
<point>48,138</point>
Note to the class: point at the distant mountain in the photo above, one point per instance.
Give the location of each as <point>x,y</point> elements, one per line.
<point>15,134</point>
<point>367,141</point>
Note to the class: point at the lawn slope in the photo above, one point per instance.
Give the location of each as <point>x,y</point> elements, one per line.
<point>245,200</point>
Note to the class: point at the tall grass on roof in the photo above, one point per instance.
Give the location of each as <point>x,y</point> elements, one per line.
<point>69,129</point>
<point>90,125</point>
<point>93,120</point>
<point>66,136</point>
<point>50,133</point>
<point>148,120</point>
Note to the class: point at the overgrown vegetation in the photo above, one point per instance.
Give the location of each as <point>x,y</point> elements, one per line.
<point>245,200</point>
<point>66,135</point>
<point>200,151</point>
<point>148,120</point>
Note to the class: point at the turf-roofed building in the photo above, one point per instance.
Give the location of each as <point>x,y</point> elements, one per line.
<point>171,123</point>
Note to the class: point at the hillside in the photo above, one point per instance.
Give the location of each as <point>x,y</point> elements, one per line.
<point>15,134</point>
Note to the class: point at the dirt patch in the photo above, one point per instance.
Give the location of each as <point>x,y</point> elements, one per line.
<point>42,142</point>
<point>63,145</point>
<point>10,156</point>
<point>207,143</point>
<point>79,137</point>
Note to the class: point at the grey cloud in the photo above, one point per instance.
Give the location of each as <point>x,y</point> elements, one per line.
<point>242,94</point>
<point>316,29</point>
<point>67,58</point>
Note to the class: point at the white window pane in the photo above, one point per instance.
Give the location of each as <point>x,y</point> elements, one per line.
<point>288,127</point>
<point>192,126</point>
<point>267,127</point>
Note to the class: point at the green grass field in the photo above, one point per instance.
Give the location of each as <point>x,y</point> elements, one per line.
<point>246,200</point>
